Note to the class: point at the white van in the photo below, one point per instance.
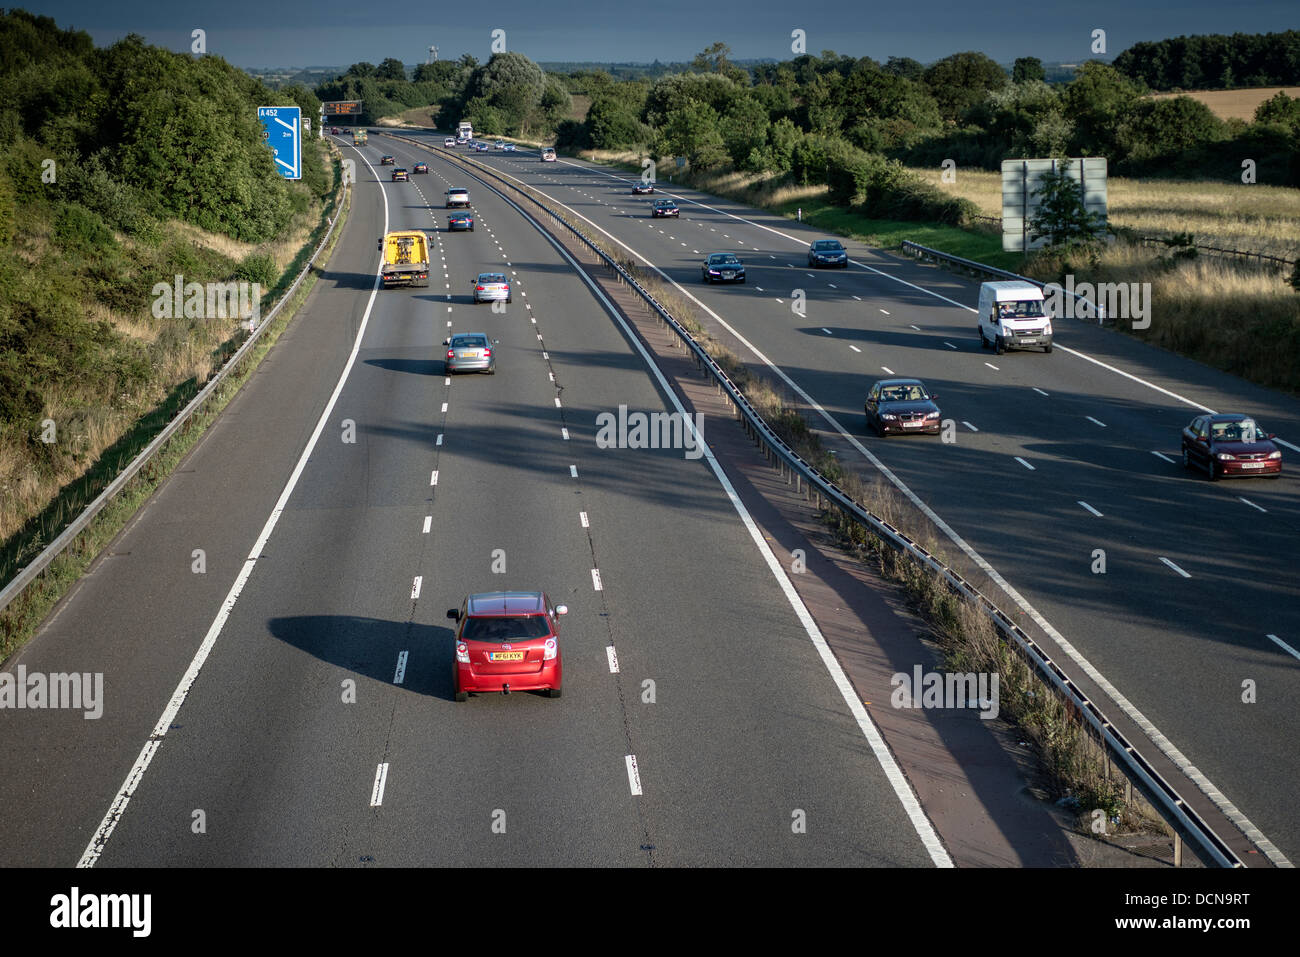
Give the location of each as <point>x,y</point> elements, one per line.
<point>1012,315</point>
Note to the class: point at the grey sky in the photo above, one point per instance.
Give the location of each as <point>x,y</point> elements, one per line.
<point>341,32</point>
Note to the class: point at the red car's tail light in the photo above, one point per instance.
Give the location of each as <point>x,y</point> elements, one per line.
<point>462,652</point>
<point>552,649</point>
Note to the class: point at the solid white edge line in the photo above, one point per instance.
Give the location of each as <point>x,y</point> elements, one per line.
<point>1284,646</point>
<point>133,778</point>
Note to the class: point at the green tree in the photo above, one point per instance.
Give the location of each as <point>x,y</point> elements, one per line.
<point>1061,216</point>
<point>691,130</point>
<point>960,81</point>
<point>905,67</point>
<point>391,69</point>
<point>1027,68</point>
<point>361,69</point>
<point>1095,100</point>
<point>1281,110</point>
<point>1166,128</point>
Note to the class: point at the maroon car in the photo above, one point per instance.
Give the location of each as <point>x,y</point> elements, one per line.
<point>507,641</point>
<point>1230,444</point>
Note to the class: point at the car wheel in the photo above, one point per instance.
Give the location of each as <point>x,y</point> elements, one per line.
<point>984,343</point>
<point>471,229</point>
<point>1187,458</point>
<point>742,280</point>
<point>1213,471</point>
<point>553,692</point>
<point>1047,349</point>
<point>455,688</point>
<point>999,346</point>
<point>509,300</point>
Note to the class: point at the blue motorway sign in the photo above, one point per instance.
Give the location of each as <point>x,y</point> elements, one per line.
<point>282,131</point>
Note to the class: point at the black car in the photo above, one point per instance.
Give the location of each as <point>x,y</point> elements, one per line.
<point>639,189</point>
<point>722,267</point>
<point>828,252</point>
<point>901,405</point>
<point>459,221</point>
<point>1230,443</point>
<point>665,207</point>
<point>387,161</point>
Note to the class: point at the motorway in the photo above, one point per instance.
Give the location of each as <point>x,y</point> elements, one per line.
<point>286,699</point>
<point>1058,458</point>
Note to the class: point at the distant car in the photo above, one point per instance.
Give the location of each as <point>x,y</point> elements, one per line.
<point>401,175</point>
<point>451,141</point>
<point>457,196</point>
<point>828,252</point>
<point>665,207</point>
<point>509,148</point>
<point>722,267</point>
<point>491,287</point>
<point>470,352</point>
<point>460,221</point>
<point>461,140</point>
<point>421,168</point>
<point>387,161</point>
<point>901,405</point>
<point>501,144</point>
<point>507,641</point>
<point>548,155</point>
<point>334,130</point>
<point>639,188</point>
<point>1230,444</point>
<point>481,147</point>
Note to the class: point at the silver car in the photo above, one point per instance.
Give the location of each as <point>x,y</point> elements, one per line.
<point>470,352</point>
<point>491,287</point>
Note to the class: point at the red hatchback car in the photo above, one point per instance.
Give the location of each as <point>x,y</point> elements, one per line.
<point>507,641</point>
<point>1230,444</point>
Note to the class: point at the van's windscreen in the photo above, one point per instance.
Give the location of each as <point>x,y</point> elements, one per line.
<point>1025,309</point>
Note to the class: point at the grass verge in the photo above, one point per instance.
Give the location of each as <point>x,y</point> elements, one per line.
<point>24,615</point>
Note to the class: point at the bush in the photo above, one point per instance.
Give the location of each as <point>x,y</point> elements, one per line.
<point>258,267</point>
<point>77,226</point>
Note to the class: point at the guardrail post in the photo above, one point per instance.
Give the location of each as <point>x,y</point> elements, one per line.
<point>1178,849</point>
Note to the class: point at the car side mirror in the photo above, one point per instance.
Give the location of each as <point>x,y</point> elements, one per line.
<point>934,396</point>
<point>446,342</point>
<point>453,614</point>
<point>561,609</point>
<point>497,342</point>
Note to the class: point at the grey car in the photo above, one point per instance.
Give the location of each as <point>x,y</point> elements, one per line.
<point>470,352</point>
<point>828,252</point>
<point>491,287</point>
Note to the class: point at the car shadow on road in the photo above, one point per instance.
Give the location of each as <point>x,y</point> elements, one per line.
<point>413,366</point>
<point>372,647</point>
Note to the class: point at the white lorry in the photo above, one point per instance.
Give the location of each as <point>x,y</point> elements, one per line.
<point>465,130</point>
<point>1012,315</point>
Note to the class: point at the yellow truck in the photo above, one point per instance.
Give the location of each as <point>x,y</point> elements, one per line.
<point>406,258</point>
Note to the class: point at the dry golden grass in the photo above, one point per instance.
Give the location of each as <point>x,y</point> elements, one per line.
<point>216,242</point>
<point>1234,104</point>
<point>1254,218</point>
